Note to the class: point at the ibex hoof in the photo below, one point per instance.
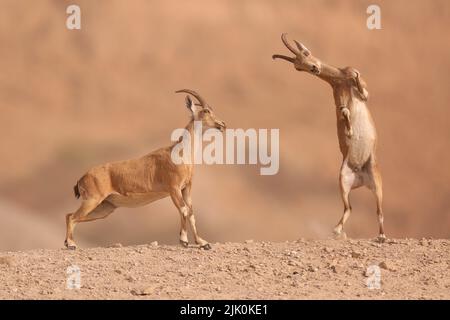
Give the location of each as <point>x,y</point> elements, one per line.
<point>71,246</point>
<point>381,238</point>
<point>206,246</point>
<point>340,236</point>
<point>185,244</point>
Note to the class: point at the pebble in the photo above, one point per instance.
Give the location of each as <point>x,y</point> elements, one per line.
<point>356,254</point>
<point>142,292</point>
<point>292,263</point>
<point>8,261</point>
<point>335,268</point>
<point>312,269</point>
<point>384,265</point>
<point>249,241</point>
<point>154,243</point>
<point>328,250</point>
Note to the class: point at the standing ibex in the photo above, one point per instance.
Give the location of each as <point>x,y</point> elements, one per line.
<point>137,182</point>
<point>355,127</point>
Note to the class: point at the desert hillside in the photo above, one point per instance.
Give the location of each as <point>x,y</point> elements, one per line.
<point>70,100</point>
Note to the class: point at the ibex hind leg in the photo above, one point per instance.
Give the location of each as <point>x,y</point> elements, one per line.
<point>348,179</point>
<point>87,206</point>
<point>374,183</point>
<point>102,211</point>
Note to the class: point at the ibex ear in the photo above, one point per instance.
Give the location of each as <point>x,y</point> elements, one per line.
<point>192,106</point>
<point>302,48</point>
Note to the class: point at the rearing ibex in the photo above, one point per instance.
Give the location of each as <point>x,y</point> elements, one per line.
<point>137,182</point>
<point>355,127</point>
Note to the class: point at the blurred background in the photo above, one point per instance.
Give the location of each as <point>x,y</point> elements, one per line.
<point>72,99</point>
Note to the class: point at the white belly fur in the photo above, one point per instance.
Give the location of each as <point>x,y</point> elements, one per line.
<point>135,199</point>
<point>361,143</point>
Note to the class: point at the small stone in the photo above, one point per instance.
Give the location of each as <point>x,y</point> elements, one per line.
<point>118,271</point>
<point>154,243</point>
<point>249,241</point>
<point>130,279</point>
<point>292,263</point>
<point>116,245</point>
<point>142,292</point>
<point>356,254</point>
<point>335,268</point>
<point>312,269</point>
<point>8,261</point>
<point>386,266</point>
<point>328,250</point>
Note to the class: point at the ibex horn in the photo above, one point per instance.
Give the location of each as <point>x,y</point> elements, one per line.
<point>195,94</point>
<point>286,43</point>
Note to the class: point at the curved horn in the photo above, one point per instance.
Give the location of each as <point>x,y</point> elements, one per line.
<point>195,94</point>
<point>280,56</point>
<point>286,43</point>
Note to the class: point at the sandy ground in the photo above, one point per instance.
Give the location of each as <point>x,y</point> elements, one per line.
<point>302,269</point>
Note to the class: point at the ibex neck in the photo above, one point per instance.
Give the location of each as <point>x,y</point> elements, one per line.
<point>330,74</point>
<point>194,146</point>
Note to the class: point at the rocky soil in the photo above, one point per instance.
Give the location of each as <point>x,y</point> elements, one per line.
<point>302,269</point>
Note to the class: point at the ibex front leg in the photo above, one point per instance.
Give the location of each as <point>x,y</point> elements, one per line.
<point>187,199</point>
<point>345,114</point>
<point>183,209</point>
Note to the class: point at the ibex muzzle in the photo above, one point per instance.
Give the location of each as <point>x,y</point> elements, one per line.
<point>303,60</point>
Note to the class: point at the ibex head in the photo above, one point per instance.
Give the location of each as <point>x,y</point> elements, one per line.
<point>303,60</point>
<point>202,111</point>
